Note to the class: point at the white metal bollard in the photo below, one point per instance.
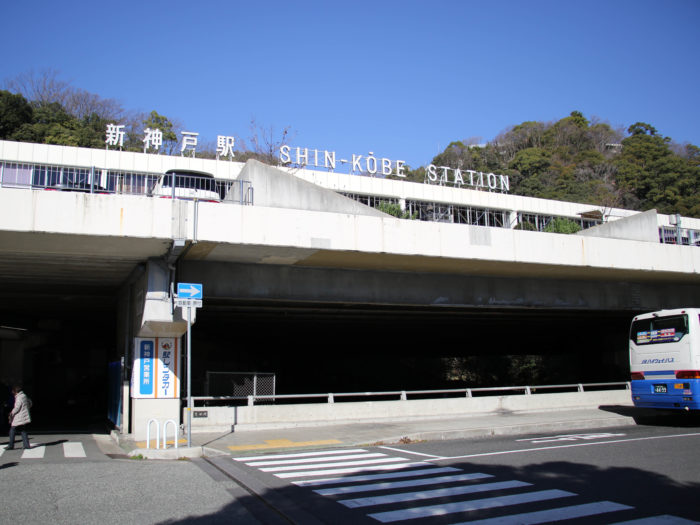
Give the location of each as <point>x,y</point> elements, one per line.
<point>148,433</point>
<point>165,432</point>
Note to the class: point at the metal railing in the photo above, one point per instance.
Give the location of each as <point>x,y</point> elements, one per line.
<point>239,385</point>
<point>403,395</point>
<point>104,181</point>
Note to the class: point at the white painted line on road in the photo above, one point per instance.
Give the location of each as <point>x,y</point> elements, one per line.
<point>571,437</point>
<point>546,516</point>
<point>411,452</point>
<point>538,449</point>
<point>73,450</point>
<point>390,485</point>
<point>466,506</point>
<point>658,520</point>
<point>315,459</point>
<point>432,494</point>
<point>34,453</point>
<point>299,454</point>
<point>354,470</point>
<point>374,477</point>
<point>328,465</point>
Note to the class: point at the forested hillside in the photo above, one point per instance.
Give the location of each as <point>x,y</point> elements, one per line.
<point>579,161</point>
<point>572,159</point>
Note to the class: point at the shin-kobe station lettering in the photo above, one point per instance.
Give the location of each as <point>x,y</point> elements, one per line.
<point>359,164</point>
<point>372,165</point>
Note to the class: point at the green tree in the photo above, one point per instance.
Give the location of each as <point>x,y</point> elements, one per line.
<point>562,225</point>
<point>164,124</point>
<point>15,111</point>
<point>531,161</point>
<point>653,176</point>
<point>395,210</point>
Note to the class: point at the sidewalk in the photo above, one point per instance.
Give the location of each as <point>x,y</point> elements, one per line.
<point>387,432</point>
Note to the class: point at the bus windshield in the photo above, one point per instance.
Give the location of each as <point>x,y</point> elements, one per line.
<point>657,330</point>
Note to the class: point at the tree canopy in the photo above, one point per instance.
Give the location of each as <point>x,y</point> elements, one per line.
<point>579,160</point>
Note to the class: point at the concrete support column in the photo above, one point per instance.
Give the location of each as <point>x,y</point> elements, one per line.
<point>156,367</point>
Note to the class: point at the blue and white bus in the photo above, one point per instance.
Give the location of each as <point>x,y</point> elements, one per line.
<point>665,359</point>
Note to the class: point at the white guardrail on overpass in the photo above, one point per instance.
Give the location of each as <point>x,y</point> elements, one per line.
<point>403,394</point>
<point>300,410</point>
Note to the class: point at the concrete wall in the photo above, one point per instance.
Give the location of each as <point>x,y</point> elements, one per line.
<point>140,227</point>
<point>113,159</point>
<point>276,188</point>
<point>640,227</point>
<point>259,417</point>
<point>143,410</point>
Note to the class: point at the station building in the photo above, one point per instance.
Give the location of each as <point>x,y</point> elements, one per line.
<point>92,241</point>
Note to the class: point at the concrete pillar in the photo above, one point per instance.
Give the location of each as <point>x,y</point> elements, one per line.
<point>153,319</point>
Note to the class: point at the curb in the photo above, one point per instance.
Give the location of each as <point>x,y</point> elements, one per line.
<point>176,453</point>
<point>514,430</point>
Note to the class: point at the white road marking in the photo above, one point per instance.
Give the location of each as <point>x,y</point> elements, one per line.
<point>571,437</point>
<point>73,450</point>
<point>390,485</point>
<point>328,465</point>
<point>411,452</point>
<point>245,459</point>
<point>538,449</point>
<point>353,470</point>
<point>34,453</point>
<point>312,460</point>
<point>465,506</point>
<point>374,477</point>
<point>658,520</point>
<point>432,494</point>
<point>546,516</point>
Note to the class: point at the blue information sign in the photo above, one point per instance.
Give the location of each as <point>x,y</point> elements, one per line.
<point>146,377</point>
<point>189,291</point>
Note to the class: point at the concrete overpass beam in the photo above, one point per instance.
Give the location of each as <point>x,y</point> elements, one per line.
<point>158,317</point>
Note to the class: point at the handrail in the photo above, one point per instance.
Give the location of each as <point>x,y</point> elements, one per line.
<point>403,394</point>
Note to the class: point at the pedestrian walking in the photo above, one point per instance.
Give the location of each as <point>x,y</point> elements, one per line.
<point>19,418</point>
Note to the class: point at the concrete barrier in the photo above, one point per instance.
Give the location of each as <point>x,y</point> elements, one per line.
<point>261,417</point>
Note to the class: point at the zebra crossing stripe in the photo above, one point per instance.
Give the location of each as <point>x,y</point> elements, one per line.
<point>34,453</point>
<point>353,470</point>
<point>73,450</point>
<point>465,506</point>
<point>558,514</point>
<point>246,459</point>
<point>401,484</point>
<point>300,461</point>
<point>328,465</point>
<point>664,519</point>
<point>432,494</point>
<point>374,477</point>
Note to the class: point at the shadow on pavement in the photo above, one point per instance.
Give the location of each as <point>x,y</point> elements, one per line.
<point>656,417</point>
<point>644,493</point>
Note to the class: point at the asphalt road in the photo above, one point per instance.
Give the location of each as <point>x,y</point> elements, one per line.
<point>620,475</point>
<point>650,474</point>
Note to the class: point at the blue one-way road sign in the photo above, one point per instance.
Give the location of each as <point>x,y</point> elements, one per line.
<point>189,291</point>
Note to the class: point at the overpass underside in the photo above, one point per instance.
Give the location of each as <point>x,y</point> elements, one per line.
<point>327,301</point>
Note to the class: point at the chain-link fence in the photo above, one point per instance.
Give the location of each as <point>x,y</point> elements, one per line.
<point>239,384</point>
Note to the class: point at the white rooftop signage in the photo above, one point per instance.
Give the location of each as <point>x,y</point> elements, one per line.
<point>306,157</point>
<point>477,179</point>
<point>327,159</point>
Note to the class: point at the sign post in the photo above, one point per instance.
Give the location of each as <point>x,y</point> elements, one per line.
<point>189,296</point>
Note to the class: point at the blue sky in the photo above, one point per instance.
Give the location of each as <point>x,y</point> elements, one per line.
<point>399,78</point>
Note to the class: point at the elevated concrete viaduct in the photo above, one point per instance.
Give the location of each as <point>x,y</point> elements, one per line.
<point>297,280</point>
